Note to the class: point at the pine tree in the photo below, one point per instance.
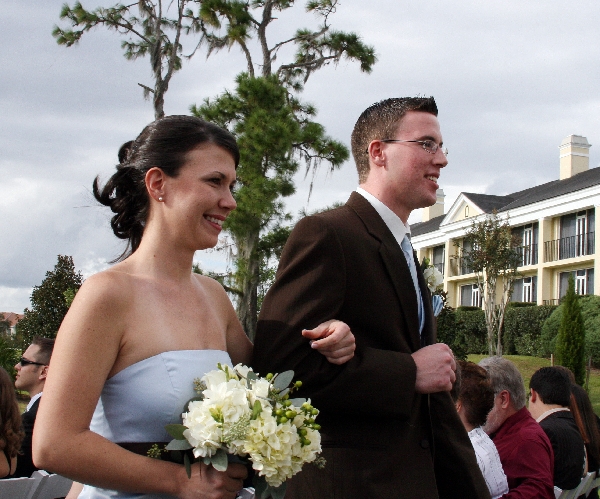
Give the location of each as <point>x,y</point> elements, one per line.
<point>50,302</point>
<point>570,342</point>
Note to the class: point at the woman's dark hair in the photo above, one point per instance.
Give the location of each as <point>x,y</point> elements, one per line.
<point>11,432</point>
<point>476,393</point>
<point>164,143</point>
<point>589,420</point>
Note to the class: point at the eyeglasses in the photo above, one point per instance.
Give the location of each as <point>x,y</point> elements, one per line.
<point>429,145</point>
<point>24,362</point>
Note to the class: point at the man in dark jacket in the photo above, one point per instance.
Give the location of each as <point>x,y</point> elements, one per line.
<point>549,404</point>
<point>32,370</point>
<point>389,426</point>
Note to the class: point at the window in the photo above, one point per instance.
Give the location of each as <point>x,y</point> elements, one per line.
<point>524,290</point>
<point>527,245</point>
<point>470,296</point>
<point>584,282</point>
<point>575,236</point>
<point>527,289</point>
<point>439,254</point>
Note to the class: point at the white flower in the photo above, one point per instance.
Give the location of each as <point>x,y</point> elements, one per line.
<point>277,446</point>
<point>433,277</point>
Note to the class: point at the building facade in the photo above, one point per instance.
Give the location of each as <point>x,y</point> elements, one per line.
<point>555,222</point>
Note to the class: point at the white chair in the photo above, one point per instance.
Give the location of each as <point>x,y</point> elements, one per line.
<point>584,487</point>
<point>13,488</point>
<point>247,493</point>
<point>50,486</point>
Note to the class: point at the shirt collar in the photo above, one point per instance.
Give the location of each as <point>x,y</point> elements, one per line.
<point>393,222</point>
<point>33,399</point>
<point>551,411</point>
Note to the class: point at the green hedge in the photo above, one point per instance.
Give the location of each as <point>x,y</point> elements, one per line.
<point>523,329</point>
<point>590,309</point>
<point>465,331</point>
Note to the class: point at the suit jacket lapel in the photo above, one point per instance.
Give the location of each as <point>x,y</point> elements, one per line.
<point>395,264</point>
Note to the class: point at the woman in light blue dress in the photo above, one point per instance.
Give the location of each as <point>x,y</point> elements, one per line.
<point>138,333</point>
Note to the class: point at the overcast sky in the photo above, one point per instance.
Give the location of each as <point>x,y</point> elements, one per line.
<point>511,80</point>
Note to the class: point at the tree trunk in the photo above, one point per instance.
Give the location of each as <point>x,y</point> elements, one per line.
<point>248,276</point>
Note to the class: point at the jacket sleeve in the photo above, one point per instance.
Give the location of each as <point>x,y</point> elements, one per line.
<point>310,288</point>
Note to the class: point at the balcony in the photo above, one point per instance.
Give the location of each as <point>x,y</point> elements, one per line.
<point>569,247</point>
<point>459,266</point>
<point>439,267</point>
<point>529,254</point>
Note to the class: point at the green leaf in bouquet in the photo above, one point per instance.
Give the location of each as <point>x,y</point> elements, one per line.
<point>283,380</point>
<point>297,402</point>
<point>284,392</point>
<point>256,410</point>
<point>250,378</point>
<point>176,431</point>
<point>178,445</point>
<point>188,465</point>
<point>219,460</point>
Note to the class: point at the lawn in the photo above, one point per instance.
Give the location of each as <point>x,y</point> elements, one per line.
<point>528,365</point>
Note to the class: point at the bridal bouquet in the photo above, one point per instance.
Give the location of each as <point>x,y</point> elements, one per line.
<point>238,413</point>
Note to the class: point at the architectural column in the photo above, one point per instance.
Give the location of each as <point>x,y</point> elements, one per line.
<point>597,251</point>
<point>544,277</point>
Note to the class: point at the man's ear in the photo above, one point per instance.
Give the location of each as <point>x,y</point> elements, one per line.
<point>376,154</point>
<point>44,373</point>
<point>533,396</point>
<point>504,399</point>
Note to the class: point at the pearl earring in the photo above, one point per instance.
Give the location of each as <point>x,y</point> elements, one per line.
<point>160,199</point>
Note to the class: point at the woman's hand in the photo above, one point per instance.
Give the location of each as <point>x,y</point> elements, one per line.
<point>208,483</point>
<point>334,340</point>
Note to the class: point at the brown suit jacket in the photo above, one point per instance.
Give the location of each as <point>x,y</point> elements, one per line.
<point>380,437</point>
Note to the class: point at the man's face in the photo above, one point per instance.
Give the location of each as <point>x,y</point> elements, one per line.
<point>28,376</point>
<point>496,416</point>
<point>410,179</point>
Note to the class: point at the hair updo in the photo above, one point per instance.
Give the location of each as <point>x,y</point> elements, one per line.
<point>164,143</point>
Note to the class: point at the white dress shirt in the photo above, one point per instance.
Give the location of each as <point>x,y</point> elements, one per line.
<point>489,462</point>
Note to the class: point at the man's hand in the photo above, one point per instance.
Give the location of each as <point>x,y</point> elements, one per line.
<point>336,343</point>
<point>435,368</point>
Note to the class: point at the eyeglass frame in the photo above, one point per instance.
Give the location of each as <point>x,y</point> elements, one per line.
<point>25,362</point>
<point>435,146</point>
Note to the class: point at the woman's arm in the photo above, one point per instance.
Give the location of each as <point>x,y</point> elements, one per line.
<point>5,466</point>
<point>87,346</point>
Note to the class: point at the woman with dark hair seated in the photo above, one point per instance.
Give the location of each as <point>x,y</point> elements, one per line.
<point>11,433</point>
<point>474,398</point>
<point>139,333</point>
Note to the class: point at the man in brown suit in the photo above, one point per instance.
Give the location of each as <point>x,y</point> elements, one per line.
<point>388,423</point>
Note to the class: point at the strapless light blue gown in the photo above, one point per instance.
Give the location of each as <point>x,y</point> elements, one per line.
<point>137,402</point>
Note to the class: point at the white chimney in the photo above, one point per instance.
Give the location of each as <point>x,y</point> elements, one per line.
<point>437,209</point>
<point>574,156</point>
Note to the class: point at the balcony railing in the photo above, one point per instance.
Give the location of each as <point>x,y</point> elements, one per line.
<point>569,247</point>
<point>529,254</point>
<point>459,266</point>
<point>553,301</point>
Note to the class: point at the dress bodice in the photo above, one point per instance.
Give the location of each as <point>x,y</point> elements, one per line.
<point>137,402</point>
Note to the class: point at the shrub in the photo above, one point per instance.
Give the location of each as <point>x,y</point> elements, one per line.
<point>570,342</point>
<point>523,328</point>
<point>590,310</point>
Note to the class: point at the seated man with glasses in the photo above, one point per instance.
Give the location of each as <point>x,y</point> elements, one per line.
<point>32,370</point>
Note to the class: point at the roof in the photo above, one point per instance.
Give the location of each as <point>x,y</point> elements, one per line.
<point>426,227</point>
<point>11,317</point>
<point>487,202</point>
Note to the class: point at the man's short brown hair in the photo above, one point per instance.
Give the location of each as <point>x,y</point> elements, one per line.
<point>46,345</point>
<point>380,121</point>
